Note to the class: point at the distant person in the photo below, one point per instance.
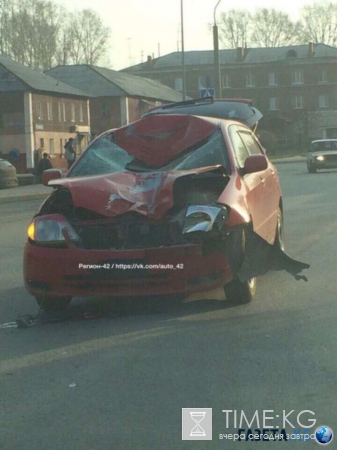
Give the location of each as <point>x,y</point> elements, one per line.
<point>44,164</point>
<point>70,153</point>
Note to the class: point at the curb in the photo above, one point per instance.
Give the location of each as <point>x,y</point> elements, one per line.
<point>20,198</point>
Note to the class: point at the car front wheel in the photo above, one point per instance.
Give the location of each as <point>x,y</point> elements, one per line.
<point>279,236</point>
<point>241,291</point>
<point>56,304</point>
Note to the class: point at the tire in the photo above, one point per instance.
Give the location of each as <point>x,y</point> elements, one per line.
<point>279,236</point>
<point>238,291</point>
<point>311,167</point>
<point>241,292</point>
<point>56,304</point>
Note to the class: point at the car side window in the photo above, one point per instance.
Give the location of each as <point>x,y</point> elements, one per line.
<point>250,143</point>
<point>240,149</point>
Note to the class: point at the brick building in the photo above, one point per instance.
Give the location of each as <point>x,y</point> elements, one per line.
<point>295,87</point>
<point>39,114</point>
<point>116,98</point>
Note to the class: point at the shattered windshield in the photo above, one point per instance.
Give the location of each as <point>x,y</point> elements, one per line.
<point>105,156</point>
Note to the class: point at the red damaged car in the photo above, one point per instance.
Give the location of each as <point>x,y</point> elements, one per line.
<point>182,200</point>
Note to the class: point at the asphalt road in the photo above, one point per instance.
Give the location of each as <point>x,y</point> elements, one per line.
<point>142,361</point>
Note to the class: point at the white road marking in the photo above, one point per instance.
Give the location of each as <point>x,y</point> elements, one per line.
<point>9,325</point>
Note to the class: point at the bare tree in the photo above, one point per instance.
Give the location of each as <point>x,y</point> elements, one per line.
<point>73,35</point>
<point>64,45</point>
<point>89,38</point>
<point>235,28</point>
<point>5,26</point>
<point>319,23</point>
<point>47,24</point>
<point>19,42</point>
<point>272,28</point>
<point>34,31</point>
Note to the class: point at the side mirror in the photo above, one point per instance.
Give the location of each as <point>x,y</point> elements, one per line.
<point>255,163</point>
<point>51,174</point>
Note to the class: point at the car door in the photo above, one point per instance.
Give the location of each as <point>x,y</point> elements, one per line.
<point>257,196</point>
<point>266,204</point>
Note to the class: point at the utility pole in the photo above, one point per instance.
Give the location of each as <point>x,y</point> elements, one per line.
<point>183,49</point>
<point>217,71</point>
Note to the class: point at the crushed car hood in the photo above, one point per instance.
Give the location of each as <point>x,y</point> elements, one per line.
<point>155,140</point>
<point>148,193</point>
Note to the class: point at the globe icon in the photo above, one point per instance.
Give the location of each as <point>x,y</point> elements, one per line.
<point>323,435</point>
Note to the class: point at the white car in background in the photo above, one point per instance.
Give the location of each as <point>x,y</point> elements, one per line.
<point>322,155</point>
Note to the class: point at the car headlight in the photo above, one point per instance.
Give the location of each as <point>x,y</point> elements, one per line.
<point>51,229</point>
<point>204,218</point>
<point>320,158</point>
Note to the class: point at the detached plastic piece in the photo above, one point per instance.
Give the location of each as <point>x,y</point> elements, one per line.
<point>261,257</point>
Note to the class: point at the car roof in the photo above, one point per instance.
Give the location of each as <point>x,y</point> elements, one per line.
<point>227,109</point>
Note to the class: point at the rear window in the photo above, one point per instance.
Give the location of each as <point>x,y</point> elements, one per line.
<point>323,145</point>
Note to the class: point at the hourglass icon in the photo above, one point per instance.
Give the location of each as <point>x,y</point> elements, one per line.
<point>197,417</point>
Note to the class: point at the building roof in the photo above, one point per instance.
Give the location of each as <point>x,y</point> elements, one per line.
<point>15,76</point>
<point>251,56</point>
<point>101,82</point>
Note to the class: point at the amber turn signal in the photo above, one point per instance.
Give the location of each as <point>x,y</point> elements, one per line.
<point>31,231</point>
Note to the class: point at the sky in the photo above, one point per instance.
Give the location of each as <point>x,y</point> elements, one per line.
<point>152,27</point>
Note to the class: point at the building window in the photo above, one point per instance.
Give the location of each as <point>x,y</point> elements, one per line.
<point>41,143</point>
<point>39,110</point>
<point>178,84</point>
<point>59,107</point>
<point>50,111</point>
<point>72,112</point>
<point>226,81</point>
<point>273,104</point>
<point>271,79</point>
<point>298,101</point>
<point>105,110</point>
<point>64,112</point>
<point>323,101</point>
<point>297,76</point>
<point>81,113</point>
<point>51,146</point>
<point>250,80</point>
<point>323,76</point>
<point>205,82</point>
